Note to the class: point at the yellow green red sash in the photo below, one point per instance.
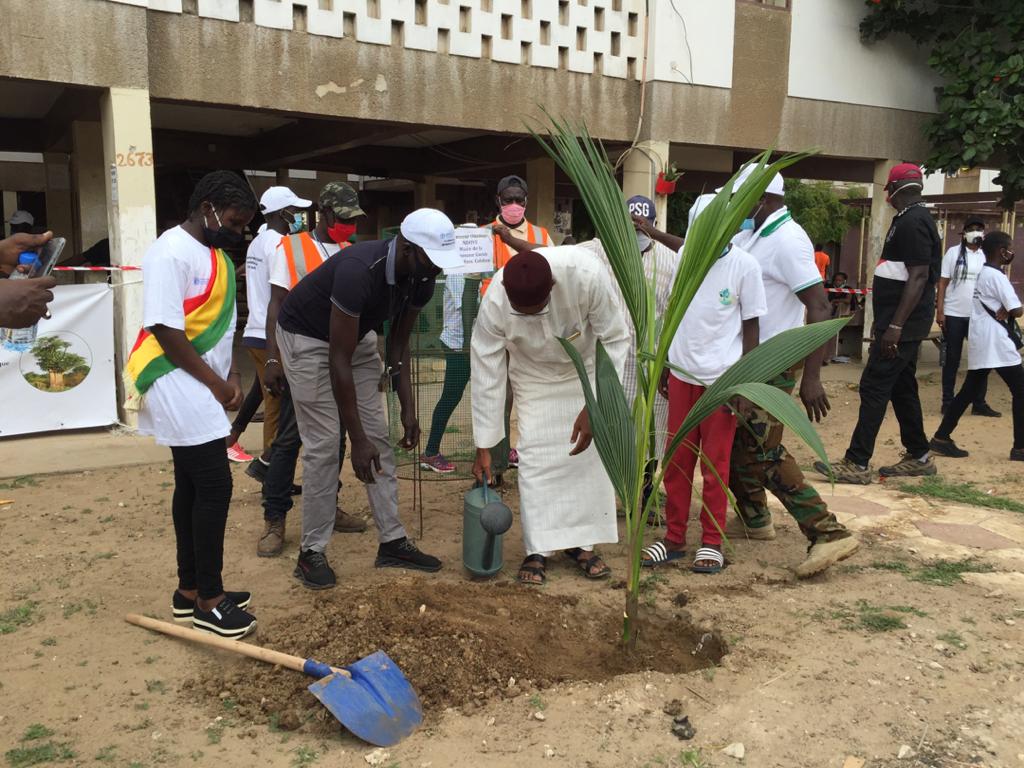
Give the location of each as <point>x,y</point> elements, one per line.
<point>207,318</point>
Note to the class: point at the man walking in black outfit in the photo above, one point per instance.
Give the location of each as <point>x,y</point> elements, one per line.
<point>903,297</point>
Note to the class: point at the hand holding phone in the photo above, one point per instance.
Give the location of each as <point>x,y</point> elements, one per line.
<point>48,257</point>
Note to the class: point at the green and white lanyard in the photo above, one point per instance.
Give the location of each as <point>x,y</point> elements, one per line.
<point>773,227</point>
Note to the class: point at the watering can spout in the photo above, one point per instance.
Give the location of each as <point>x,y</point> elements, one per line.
<point>485,519</point>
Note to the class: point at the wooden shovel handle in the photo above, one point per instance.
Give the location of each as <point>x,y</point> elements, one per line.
<point>205,638</point>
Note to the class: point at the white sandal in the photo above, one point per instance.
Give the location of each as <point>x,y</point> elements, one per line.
<point>708,553</point>
<point>659,554</point>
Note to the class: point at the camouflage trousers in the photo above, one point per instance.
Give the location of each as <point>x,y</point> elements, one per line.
<point>760,461</point>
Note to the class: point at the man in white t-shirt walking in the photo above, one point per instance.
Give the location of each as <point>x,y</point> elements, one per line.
<point>720,325</point>
<point>989,347</point>
<point>793,288</point>
<point>961,266</point>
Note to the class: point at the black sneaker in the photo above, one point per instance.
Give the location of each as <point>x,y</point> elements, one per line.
<point>257,470</point>
<point>182,607</point>
<point>402,553</point>
<point>226,620</point>
<point>314,571</point>
<point>985,410</point>
<point>946,447</point>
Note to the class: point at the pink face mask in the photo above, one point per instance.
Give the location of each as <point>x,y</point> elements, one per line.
<point>513,214</point>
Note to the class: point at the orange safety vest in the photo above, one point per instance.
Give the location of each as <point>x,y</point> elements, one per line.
<point>312,255</point>
<point>502,253</point>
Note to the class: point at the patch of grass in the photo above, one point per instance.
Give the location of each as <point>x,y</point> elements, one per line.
<point>101,499</point>
<point>304,756</point>
<point>961,493</point>
<point>50,752</point>
<point>891,565</point>
<point>152,659</point>
<point>35,732</point>
<point>70,609</point>
<point>215,731</point>
<point>946,573</point>
<point>274,722</point>
<point>881,622</point>
<point>229,704</point>
<point>873,618</point>
<point>107,519</point>
<point>49,641</point>
<point>106,755</point>
<point>142,725</point>
<point>692,758</point>
<point>26,481</point>
<point>142,706</point>
<point>537,702</point>
<point>19,616</point>
<point>156,686</point>
<point>953,638</point>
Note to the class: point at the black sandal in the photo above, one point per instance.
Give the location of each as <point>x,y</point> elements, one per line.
<point>534,565</point>
<point>585,565</point>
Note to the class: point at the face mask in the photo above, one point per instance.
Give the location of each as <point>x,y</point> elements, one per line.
<point>221,237</point>
<point>974,237</point>
<point>513,214</point>
<point>340,233</point>
<point>296,225</point>
<point>747,225</point>
<point>643,241</point>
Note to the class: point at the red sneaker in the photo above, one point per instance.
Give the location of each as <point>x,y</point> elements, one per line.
<point>436,463</point>
<point>513,459</point>
<point>237,453</point>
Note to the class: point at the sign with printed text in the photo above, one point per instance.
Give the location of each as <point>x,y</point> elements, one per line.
<point>62,376</point>
<point>476,247</point>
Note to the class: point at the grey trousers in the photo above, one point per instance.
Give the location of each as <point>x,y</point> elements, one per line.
<point>306,367</point>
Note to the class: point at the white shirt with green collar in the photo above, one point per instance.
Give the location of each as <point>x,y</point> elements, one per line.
<point>786,257</point>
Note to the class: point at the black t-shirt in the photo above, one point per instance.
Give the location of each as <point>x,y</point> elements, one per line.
<point>913,240</point>
<point>359,281</point>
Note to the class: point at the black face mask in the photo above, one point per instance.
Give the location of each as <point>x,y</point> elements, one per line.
<point>221,237</point>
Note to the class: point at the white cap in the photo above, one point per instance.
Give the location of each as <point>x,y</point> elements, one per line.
<point>278,198</point>
<point>434,232</point>
<point>702,202</point>
<point>22,217</point>
<point>775,186</point>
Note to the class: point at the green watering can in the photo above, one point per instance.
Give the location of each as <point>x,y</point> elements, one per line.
<point>485,517</point>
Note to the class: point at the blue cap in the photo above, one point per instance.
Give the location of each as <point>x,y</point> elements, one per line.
<point>638,205</point>
<point>27,257</point>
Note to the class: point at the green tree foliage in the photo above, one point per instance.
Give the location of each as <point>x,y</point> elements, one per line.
<point>51,352</point>
<point>819,210</point>
<point>977,46</point>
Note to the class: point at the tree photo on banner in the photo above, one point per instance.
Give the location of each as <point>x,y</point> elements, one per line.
<point>65,379</point>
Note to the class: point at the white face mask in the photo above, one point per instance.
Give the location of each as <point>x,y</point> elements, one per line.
<point>974,237</point>
<point>643,241</point>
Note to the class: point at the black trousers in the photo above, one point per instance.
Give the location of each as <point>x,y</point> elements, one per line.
<point>1014,378</point>
<point>955,334</point>
<point>456,377</point>
<point>884,381</point>
<point>202,495</point>
<point>284,455</point>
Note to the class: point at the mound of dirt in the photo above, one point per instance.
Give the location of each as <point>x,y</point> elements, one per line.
<point>459,644</point>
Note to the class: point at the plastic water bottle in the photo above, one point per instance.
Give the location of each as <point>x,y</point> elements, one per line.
<point>21,339</point>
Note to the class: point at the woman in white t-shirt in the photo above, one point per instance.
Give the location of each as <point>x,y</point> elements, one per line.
<point>960,269</point>
<point>989,347</point>
<point>183,408</point>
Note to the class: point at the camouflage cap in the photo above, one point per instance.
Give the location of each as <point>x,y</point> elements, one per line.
<point>341,199</point>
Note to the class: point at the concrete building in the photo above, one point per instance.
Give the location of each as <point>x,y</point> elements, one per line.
<point>111,108</point>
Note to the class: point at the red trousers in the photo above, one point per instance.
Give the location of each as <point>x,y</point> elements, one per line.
<point>713,437</point>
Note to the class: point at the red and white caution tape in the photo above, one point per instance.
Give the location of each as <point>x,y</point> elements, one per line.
<point>849,290</point>
<point>98,269</point>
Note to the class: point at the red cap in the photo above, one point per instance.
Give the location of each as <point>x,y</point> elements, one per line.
<point>527,279</point>
<point>905,172</point>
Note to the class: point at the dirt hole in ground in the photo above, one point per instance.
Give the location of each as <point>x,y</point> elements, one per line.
<point>460,651</point>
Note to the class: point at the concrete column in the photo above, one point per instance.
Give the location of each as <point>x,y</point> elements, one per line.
<point>59,217</point>
<point>281,179</point>
<point>640,172</point>
<point>131,208</point>
<point>878,228</point>
<point>88,183</point>
<point>540,203</point>
<point>425,194</point>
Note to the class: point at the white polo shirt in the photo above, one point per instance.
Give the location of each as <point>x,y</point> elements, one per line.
<point>786,257</point>
<point>959,299</point>
<point>710,337</point>
<point>988,343</point>
<point>257,281</point>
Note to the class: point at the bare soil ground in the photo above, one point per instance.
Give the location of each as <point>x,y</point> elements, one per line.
<point>880,654</point>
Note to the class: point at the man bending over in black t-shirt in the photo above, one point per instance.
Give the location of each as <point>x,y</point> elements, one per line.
<point>903,297</point>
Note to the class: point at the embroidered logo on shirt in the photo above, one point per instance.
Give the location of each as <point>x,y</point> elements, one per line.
<point>725,297</point>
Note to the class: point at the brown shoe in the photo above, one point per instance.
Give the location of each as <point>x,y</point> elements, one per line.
<point>346,523</point>
<point>272,541</point>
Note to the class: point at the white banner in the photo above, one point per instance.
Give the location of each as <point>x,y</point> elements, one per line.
<point>476,247</point>
<point>65,377</point>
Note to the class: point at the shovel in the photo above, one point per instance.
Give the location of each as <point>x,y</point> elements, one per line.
<point>371,697</point>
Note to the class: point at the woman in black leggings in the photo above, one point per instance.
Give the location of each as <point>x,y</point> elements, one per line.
<point>989,347</point>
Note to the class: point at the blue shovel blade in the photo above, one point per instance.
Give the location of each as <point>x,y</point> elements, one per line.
<point>377,704</point>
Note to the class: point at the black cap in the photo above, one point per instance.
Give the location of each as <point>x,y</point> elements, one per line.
<point>974,221</point>
<point>512,181</point>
